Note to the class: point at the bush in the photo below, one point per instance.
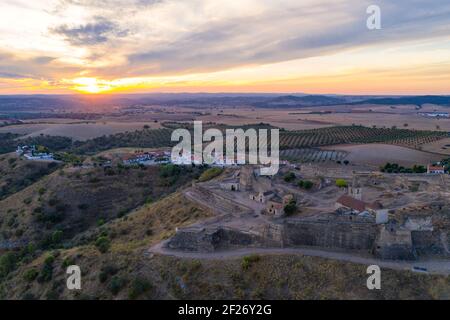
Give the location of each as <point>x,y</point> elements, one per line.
<point>247,261</point>
<point>116,285</point>
<point>138,287</point>
<point>305,184</point>
<point>52,202</point>
<point>106,271</point>
<point>290,208</point>
<point>46,273</point>
<point>341,183</point>
<point>68,262</point>
<point>169,170</point>
<point>103,244</point>
<point>289,177</point>
<point>8,263</point>
<point>210,174</point>
<point>30,275</point>
<point>57,236</point>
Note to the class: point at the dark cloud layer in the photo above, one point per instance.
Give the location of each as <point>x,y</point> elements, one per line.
<point>96,32</point>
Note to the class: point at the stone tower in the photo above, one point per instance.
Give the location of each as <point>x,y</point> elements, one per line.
<point>355,190</point>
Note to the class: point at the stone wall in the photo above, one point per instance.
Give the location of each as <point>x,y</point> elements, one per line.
<point>213,239</point>
<point>330,234</point>
<point>361,234</point>
<point>395,245</point>
<point>426,242</point>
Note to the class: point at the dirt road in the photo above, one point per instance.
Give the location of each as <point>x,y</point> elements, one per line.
<point>434,266</point>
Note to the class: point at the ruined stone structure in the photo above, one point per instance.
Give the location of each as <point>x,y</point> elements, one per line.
<point>246,178</point>
<point>216,238</point>
<point>395,244</point>
<point>346,232</point>
<point>231,184</point>
<point>218,202</point>
<point>356,234</point>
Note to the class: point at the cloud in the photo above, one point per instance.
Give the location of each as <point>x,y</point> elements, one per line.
<point>299,30</point>
<point>43,60</point>
<point>115,39</point>
<point>39,67</point>
<point>97,32</point>
<point>7,75</point>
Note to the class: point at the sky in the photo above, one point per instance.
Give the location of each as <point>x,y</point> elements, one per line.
<point>137,46</point>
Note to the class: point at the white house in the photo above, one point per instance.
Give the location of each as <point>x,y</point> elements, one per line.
<point>432,169</point>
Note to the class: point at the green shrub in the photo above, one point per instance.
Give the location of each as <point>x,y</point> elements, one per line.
<point>57,236</point>
<point>138,287</point>
<point>69,261</point>
<point>116,285</point>
<point>289,177</point>
<point>247,261</point>
<point>169,170</point>
<point>46,273</point>
<point>210,174</point>
<point>305,184</point>
<point>341,183</point>
<point>290,208</point>
<point>30,275</point>
<point>106,271</point>
<point>8,263</point>
<point>103,244</point>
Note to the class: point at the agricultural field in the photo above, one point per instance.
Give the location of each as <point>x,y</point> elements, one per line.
<point>380,154</point>
<point>441,146</point>
<point>357,134</point>
<point>312,155</point>
<point>306,118</point>
<point>76,130</point>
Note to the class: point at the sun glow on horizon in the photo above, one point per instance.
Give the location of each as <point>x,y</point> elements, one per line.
<point>90,85</point>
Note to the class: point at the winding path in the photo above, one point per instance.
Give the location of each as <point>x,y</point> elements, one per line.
<point>434,266</point>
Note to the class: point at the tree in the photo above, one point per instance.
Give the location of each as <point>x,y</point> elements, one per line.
<point>290,208</point>
<point>103,244</point>
<point>341,183</point>
<point>305,184</point>
<point>289,177</point>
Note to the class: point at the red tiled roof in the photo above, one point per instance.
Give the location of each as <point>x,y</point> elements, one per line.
<point>435,168</point>
<point>374,205</point>
<point>352,203</point>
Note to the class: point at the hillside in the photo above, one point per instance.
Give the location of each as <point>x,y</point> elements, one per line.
<point>299,101</point>
<point>115,265</point>
<point>414,100</point>
<point>72,200</point>
<point>17,174</point>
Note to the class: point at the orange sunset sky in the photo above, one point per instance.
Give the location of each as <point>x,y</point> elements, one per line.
<point>136,46</point>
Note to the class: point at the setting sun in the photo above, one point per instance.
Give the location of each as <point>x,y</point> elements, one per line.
<point>90,85</point>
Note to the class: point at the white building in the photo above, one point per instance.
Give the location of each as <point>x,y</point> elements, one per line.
<point>432,169</point>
